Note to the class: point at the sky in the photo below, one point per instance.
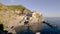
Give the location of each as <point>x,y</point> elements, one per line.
<point>49,8</point>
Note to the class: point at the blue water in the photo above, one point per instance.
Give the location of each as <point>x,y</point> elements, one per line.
<point>48,30</point>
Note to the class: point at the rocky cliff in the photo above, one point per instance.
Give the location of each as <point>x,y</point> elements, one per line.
<point>16,15</point>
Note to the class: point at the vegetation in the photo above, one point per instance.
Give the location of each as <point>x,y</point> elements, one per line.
<point>3,25</point>
<point>17,7</point>
<point>4,8</point>
<point>13,7</point>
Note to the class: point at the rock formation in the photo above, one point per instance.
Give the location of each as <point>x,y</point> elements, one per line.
<point>18,18</point>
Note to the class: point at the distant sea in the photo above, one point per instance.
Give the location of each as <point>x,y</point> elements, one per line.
<point>48,30</point>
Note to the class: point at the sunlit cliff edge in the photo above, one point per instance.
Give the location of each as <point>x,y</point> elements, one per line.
<point>15,15</point>
<point>8,13</point>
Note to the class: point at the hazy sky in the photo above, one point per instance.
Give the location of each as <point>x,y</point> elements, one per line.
<point>49,8</point>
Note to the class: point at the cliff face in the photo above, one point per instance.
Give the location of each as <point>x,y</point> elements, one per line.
<point>12,16</point>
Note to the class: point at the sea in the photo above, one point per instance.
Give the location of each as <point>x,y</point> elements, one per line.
<point>48,30</point>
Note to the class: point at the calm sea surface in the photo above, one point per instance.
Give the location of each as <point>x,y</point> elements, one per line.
<point>48,30</point>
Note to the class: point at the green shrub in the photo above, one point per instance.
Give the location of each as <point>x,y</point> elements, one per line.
<point>3,25</point>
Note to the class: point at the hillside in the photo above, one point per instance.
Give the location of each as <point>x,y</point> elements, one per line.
<point>9,15</point>
<point>16,18</point>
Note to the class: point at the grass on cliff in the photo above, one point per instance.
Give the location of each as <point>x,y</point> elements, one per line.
<point>17,7</point>
<point>3,25</point>
<point>12,7</point>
